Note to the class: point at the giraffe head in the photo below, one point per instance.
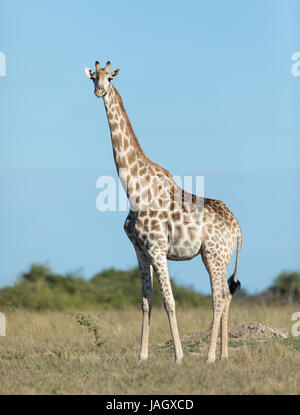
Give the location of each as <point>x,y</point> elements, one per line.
<point>101,78</point>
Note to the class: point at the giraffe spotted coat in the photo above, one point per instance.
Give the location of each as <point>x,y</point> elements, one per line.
<point>165,222</point>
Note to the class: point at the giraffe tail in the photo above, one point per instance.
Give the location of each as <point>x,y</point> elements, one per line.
<point>233,283</point>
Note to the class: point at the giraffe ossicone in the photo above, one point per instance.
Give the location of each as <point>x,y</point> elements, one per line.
<point>166,222</point>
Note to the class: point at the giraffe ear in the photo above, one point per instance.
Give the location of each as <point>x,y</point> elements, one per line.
<point>114,73</point>
<point>88,72</point>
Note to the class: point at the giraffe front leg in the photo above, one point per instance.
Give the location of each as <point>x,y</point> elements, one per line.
<point>147,283</point>
<point>161,270</point>
<point>218,307</point>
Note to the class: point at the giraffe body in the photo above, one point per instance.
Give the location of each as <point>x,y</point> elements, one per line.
<point>165,222</point>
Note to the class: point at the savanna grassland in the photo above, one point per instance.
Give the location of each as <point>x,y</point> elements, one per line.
<point>95,352</point>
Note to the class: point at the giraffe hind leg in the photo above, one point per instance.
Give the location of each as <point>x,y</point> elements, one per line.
<point>224,329</point>
<point>219,311</point>
<point>221,297</point>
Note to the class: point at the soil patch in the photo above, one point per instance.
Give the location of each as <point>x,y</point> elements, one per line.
<point>245,332</point>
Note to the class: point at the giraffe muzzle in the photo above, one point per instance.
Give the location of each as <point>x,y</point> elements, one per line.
<point>99,91</point>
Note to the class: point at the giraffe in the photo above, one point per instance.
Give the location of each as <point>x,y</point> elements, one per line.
<point>167,223</point>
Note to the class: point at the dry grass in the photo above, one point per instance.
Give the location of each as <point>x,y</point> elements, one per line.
<point>51,353</point>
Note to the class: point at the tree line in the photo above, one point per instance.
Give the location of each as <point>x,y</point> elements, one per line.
<point>40,288</point>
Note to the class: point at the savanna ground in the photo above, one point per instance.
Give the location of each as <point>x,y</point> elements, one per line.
<point>49,352</point>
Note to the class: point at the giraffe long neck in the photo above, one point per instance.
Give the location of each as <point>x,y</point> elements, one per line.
<point>130,160</point>
<point>127,151</point>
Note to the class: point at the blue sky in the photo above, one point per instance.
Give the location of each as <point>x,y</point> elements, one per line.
<point>209,91</point>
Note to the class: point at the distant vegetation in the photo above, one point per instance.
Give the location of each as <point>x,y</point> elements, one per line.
<point>286,288</point>
<point>40,288</point>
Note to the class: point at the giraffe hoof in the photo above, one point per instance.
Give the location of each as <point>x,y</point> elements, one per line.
<point>211,360</point>
<point>225,357</point>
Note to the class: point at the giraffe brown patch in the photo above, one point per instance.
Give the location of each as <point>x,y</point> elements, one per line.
<point>113,126</point>
<point>122,123</point>
<point>134,171</point>
<point>118,140</point>
<point>155,225</point>
<point>125,143</point>
<point>131,156</point>
<point>139,223</point>
<point>151,171</point>
<point>117,143</point>
<point>176,216</point>
<point>153,213</point>
<point>142,171</point>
